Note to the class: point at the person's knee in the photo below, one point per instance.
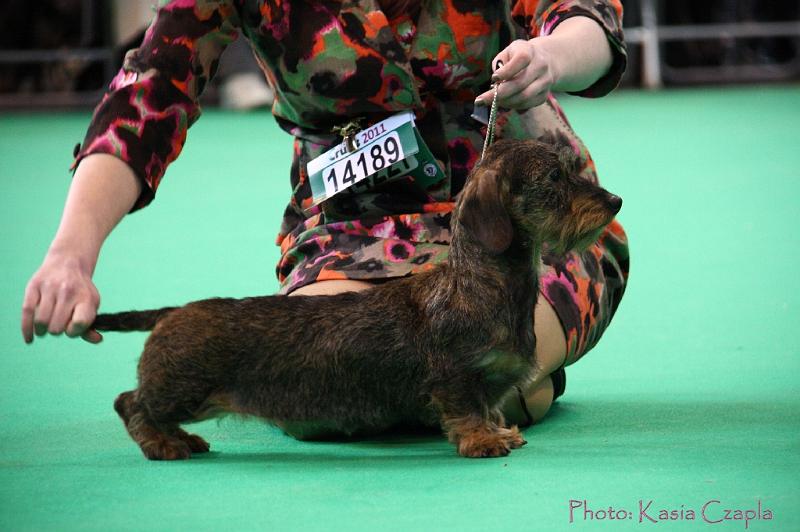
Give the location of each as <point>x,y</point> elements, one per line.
<point>551,344</point>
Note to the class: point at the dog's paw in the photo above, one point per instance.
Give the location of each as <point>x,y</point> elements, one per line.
<point>166,449</point>
<point>490,443</point>
<point>196,443</point>
<point>483,448</point>
<point>485,443</point>
<point>513,437</point>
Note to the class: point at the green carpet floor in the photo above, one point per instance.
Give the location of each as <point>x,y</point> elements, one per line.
<point>691,397</point>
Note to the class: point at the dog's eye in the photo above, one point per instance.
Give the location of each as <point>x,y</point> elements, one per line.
<point>555,175</point>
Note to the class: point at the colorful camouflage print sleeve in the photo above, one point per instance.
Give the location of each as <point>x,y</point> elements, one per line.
<point>332,61</point>
<point>152,101</point>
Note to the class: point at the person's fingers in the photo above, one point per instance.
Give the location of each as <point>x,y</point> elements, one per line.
<point>501,59</point>
<point>516,65</point>
<point>41,316</point>
<point>511,61</point>
<point>29,304</point>
<point>505,89</point>
<point>507,64</point>
<point>534,71</point>
<point>92,336</point>
<point>485,98</point>
<point>531,96</point>
<point>62,311</point>
<point>510,94</point>
<point>82,318</point>
<point>526,101</point>
<point>510,89</point>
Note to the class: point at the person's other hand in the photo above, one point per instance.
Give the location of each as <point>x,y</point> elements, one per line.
<point>527,73</point>
<point>59,298</point>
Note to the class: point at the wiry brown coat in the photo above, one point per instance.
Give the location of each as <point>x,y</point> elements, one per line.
<point>446,345</point>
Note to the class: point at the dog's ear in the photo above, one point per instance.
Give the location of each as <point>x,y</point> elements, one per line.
<point>484,212</point>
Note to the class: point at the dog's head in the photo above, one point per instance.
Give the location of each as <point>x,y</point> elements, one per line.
<point>532,190</point>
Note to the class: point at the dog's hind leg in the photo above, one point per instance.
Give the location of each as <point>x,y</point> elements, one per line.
<point>158,441</point>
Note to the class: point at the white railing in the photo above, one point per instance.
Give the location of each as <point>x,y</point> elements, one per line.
<point>650,35</point>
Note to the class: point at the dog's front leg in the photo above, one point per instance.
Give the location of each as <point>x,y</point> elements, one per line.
<point>476,429</point>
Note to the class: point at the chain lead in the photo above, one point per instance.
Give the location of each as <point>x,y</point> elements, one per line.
<point>492,120</point>
<point>492,117</point>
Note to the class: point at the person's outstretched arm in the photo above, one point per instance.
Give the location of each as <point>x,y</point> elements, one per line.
<point>137,130</point>
<point>61,296</point>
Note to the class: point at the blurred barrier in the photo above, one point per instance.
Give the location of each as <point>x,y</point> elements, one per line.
<point>99,49</point>
<point>650,36</point>
<point>105,56</point>
<point>90,45</point>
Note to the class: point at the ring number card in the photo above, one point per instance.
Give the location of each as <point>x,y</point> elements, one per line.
<point>385,151</point>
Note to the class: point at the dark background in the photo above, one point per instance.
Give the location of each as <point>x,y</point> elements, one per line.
<point>80,28</point>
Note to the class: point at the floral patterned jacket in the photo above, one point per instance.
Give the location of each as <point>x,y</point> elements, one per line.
<point>330,61</point>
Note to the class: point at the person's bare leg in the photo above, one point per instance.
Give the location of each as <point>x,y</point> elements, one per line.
<point>551,350</point>
<point>331,287</point>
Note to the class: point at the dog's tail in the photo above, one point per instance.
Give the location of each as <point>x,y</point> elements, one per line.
<point>135,320</point>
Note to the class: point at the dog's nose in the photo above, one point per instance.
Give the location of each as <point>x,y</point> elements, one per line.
<point>615,203</point>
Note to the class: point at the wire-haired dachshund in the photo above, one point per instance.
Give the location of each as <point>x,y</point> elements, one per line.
<point>444,345</point>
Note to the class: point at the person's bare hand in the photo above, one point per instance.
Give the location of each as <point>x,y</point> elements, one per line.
<point>60,298</point>
<point>526,72</point>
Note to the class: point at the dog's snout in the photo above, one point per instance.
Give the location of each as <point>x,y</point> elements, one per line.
<point>614,202</point>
